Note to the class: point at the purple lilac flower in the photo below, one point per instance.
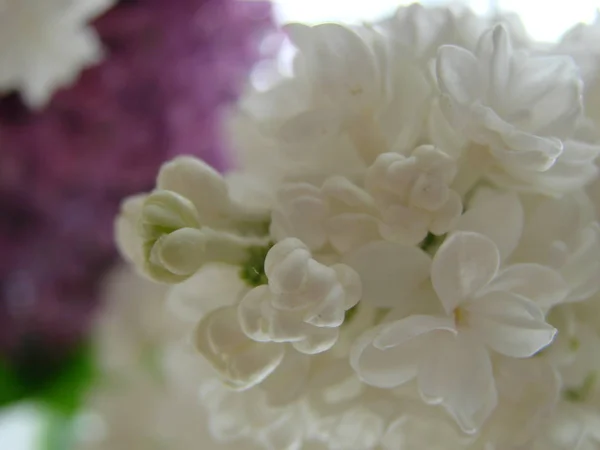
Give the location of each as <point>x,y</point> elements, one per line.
<point>170,66</point>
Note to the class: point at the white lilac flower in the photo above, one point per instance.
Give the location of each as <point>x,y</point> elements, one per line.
<point>413,194</point>
<point>345,104</point>
<point>188,221</point>
<point>45,44</point>
<point>304,303</point>
<point>484,308</point>
<point>410,221</point>
<point>339,214</point>
<point>521,121</point>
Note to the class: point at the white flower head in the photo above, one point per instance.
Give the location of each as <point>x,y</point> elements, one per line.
<point>413,194</point>
<point>304,303</point>
<point>339,214</point>
<point>354,95</point>
<point>44,44</point>
<point>484,308</point>
<point>408,226</point>
<point>521,119</point>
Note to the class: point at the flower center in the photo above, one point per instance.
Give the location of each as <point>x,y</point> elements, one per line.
<point>461,316</point>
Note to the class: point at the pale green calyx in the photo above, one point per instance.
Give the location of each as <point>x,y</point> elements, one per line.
<point>175,242</point>
<point>164,212</point>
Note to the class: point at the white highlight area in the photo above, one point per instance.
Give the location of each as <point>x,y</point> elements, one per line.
<point>545,20</point>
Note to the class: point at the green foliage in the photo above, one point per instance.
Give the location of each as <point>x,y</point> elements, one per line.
<point>350,313</point>
<point>58,433</point>
<point>57,384</point>
<point>581,393</point>
<point>253,271</point>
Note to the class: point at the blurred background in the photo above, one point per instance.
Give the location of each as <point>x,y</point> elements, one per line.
<point>153,80</point>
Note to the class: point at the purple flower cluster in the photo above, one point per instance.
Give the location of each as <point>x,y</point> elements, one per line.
<point>170,66</point>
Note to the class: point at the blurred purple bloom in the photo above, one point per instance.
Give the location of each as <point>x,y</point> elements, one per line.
<point>170,65</point>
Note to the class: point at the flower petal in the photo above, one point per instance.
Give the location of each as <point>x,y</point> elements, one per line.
<point>456,371</point>
<point>127,236</point>
<point>329,312</point>
<point>250,314</point>
<point>404,225</point>
<point>318,341</point>
<point>385,368</point>
<point>213,286</point>
<point>447,216</point>
<point>510,324</point>
<point>288,381</point>
<point>198,182</point>
<point>348,231</point>
<point>310,127</point>
<point>401,331</point>
<point>457,74</point>
<point>350,282</point>
<point>497,215</point>
<point>241,362</point>
<point>464,264</point>
<point>389,272</point>
<point>533,281</point>
<point>343,66</point>
<point>286,265</point>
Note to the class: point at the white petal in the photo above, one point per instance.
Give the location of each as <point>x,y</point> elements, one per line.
<point>289,380</point>
<point>310,127</point>
<point>385,368</point>
<point>350,282</point>
<point>429,192</point>
<point>446,218</point>
<point>250,314</point>
<point>533,281</point>
<point>401,331</point>
<point>127,235</point>
<point>509,324</point>
<point>339,189</point>
<point>284,434</point>
<point>254,365</point>
<point>349,231</point>
<point>389,272</point>
<point>497,215</point>
<point>456,371</point>
<point>404,225</point>
<point>167,210</point>
<point>343,66</point>
<point>319,283</point>
<point>436,163</point>
<point>500,59</point>
<point>214,285</point>
<point>329,312</point>
<point>286,265</point>
<point>300,213</point>
<point>286,326</point>
<point>465,263</point>
<point>527,151</point>
<point>242,362</point>
<point>458,74</point>
<point>318,341</point>
<point>200,183</point>
<point>182,252</point>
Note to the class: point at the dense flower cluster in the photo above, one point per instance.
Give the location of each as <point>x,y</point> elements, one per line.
<point>406,256</point>
<point>169,69</point>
